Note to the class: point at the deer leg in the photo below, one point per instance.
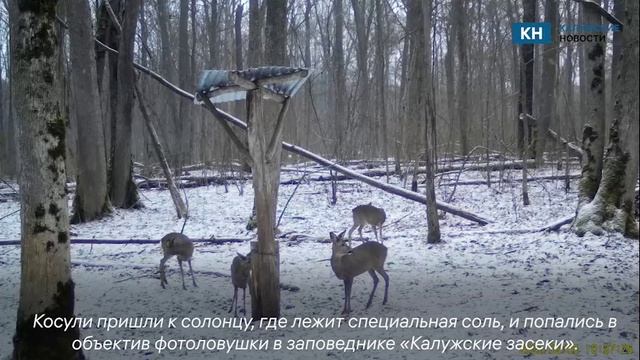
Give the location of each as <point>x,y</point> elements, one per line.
<point>375,285</point>
<point>381,238</point>
<point>163,277</point>
<point>233,298</point>
<point>244,302</point>
<point>360,232</point>
<point>348,284</point>
<point>192,276</point>
<point>386,283</point>
<point>355,225</point>
<point>375,232</point>
<point>182,274</point>
<point>346,296</point>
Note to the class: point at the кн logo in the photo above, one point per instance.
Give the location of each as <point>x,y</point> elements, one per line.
<point>531,33</point>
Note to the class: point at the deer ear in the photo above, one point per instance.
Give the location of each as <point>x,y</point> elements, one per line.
<point>342,234</point>
<point>333,236</point>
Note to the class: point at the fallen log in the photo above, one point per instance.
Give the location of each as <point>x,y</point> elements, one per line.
<point>495,166</point>
<point>154,270</point>
<point>536,178</point>
<point>189,181</point>
<point>219,241</point>
<point>317,158</point>
<point>555,226</point>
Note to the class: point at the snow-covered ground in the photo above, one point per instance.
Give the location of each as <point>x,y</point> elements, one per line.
<point>476,272</point>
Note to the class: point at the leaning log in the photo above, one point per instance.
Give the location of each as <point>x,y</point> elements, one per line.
<point>317,158</point>
<point>181,208</point>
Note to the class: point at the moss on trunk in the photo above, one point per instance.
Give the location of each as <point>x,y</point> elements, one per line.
<point>607,211</point>
<point>36,343</point>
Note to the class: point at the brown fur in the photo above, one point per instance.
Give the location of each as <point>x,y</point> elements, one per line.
<point>240,274</point>
<point>182,247</point>
<point>368,215</point>
<point>347,263</point>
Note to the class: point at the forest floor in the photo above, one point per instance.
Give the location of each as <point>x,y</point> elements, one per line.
<point>477,271</point>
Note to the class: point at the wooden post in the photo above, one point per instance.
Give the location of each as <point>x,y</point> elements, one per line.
<point>257,300</point>
<point>265,279</point>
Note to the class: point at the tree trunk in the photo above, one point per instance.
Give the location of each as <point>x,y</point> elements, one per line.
<point>255,53</point>
<point>3,133</point>
<point>433,234</point>
<point>449,61</point>
<point>91,201</point>
<point>526,86</point>
<point>460,9</point>
<point>45,281</point>
<point>238,37</point>
<point>594,131</point>
<point>170,107</point>
<point>340,115</point>
<point>549,82</point>
<point>525,129</point>
<point>381,75</point>
<point>612,208</point>
<point>184,120</point>
<point>276,33</point>
<point>124,193</point>
<point>213,27</point>
<point>364,125</point>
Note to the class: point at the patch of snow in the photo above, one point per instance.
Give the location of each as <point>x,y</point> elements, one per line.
<point>488,271</point>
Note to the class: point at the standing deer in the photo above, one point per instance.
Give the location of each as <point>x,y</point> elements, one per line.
<point>368,214</point>
<point>347,263</point>
<point>181,246</point>
<point>240,273</point>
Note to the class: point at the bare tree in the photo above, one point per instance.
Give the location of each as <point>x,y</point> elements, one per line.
<point>184,120</point>
<point>612,208</point>
<point>238,36</point>
<point>45,280</point>
<point>91,200</point>
<point>363,117</point>
<point>381,84</point>
<point>212,19</point>
<point>255,53</point>
<point>419,103</point>
<point>124,192</point>
<point>461,21</point>
<point>548,93</point>
<point>594,130</point>
<point>340,110</point>
<point>525,105</point>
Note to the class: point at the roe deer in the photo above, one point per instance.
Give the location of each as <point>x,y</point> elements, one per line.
<point>240,273</point>
<point>367,214</point>
<point>347,263</point>
<point>180,245</point>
